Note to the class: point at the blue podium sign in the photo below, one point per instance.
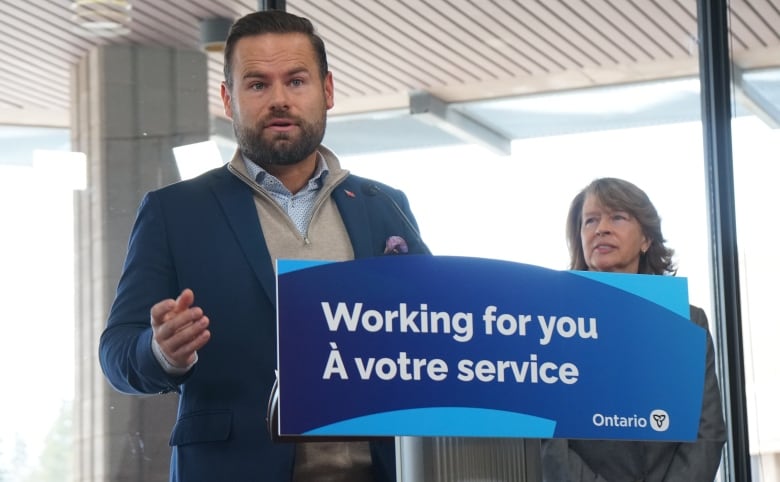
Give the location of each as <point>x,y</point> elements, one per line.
<point>471,347</point>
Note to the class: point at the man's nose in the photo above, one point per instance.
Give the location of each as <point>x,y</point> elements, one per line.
<point>279,98</point>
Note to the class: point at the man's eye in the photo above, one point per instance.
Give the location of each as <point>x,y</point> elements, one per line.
<point>296,82</point>
<point>257,86</point>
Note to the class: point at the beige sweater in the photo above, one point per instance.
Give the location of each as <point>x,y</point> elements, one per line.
<point>326,238</point>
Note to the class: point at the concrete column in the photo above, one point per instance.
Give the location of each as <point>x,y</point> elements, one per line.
<point>131,106</point>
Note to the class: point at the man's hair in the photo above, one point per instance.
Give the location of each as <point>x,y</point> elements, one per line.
<point>272,21</point>
<point>620,195</point>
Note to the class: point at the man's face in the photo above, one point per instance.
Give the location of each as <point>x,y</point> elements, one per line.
<point>278,101</point>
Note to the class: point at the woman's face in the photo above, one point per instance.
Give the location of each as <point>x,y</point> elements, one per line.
<point>611,240</point>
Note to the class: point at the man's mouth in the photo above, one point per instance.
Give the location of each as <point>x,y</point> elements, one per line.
<point>282,125</point>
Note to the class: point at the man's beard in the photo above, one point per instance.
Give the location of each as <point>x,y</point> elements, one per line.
<point>281,150</point>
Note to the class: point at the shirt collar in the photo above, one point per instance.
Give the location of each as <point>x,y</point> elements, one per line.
<point>263,177</point>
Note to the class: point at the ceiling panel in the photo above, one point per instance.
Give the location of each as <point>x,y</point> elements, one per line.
<point>381,50</point>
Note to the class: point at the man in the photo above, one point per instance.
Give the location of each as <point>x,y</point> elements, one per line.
<point>201,260</point>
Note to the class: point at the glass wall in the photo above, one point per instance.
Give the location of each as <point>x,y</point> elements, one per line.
<point>37,297</point>
<point>756,172</point>
<point>471,202</point>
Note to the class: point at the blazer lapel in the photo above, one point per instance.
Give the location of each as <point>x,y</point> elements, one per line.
<point>352,206</point>
<point>237,203</point>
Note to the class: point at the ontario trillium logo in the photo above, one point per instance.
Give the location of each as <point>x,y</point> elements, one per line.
<point>659,420</point>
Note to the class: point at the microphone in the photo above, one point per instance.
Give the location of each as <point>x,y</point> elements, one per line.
<point>272,411</point>
<point>372,189</point>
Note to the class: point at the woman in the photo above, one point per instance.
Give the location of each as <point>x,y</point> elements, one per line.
<point>613,226</point>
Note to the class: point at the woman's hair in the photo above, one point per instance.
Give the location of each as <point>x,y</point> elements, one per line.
<point>276,22</point>
<point>620,195</point>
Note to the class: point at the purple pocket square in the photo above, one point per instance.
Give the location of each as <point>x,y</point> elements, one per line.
<point>396,245</point>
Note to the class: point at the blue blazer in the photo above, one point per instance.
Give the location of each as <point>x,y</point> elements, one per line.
<point>205,234</point>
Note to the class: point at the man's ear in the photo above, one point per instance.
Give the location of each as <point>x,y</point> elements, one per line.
<point>224,92</point>
<point>328,85</point>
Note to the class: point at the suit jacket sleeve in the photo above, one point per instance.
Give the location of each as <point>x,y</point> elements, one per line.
<point>126,343</point>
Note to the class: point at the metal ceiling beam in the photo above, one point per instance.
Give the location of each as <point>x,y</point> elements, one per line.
<point>754,101</point>
<point>263,5</point>
<point>716,116</point>
<point>431,109</point>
